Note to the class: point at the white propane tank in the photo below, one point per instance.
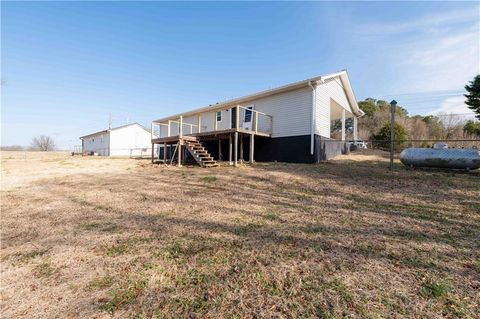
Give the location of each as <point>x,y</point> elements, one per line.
<point>454,158</point>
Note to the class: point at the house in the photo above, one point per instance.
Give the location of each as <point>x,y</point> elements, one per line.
<point>291,123</point>
<point>127,140</point>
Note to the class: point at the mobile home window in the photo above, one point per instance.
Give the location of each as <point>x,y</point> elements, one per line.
<point>219,116</point>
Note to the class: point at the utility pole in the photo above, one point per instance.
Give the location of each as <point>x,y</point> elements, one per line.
<point>393,106</point>
<point>109,120</point>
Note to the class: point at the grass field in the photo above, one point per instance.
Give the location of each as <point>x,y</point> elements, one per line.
<point>94,237</point>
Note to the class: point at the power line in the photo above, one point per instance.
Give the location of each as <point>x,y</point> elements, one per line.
<point>423,93</point>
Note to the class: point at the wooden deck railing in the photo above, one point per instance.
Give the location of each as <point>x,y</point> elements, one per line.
<point>241,118</point>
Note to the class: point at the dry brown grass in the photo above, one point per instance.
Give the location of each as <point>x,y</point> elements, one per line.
<point>21,168</point>
<point>340,239</point>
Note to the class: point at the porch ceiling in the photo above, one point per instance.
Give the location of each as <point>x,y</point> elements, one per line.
<point>336,111</point>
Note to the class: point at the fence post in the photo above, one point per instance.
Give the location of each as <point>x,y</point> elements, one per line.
<point>393,105</point>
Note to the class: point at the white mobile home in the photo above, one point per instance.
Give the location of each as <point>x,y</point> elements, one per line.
<point>291,123</point>
<point>127,140</point>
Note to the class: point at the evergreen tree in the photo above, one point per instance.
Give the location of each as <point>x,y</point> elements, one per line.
<point>472,128</point>
<point>473,95</point>
<point>399,134</point>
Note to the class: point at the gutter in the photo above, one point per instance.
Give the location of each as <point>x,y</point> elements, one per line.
<point>314,109</point>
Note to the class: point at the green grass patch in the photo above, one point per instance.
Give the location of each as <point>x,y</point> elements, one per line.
<point>180,249</point>
<point>190,307</point>
<point>434,289</point>
<point>341,289</point>
<point>102,227</point>
<point>125,294</point>
<point>314,229</point>
<point>44,269</point>
<point>100,283</point>
<point>25,257</point>
<point>272,216</point>
<point>248,228</point>
<point>208,179</point>
<point>192,278</point>
<point>123,247</point>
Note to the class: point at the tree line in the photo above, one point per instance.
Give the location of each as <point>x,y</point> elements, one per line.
<point>375,124</point>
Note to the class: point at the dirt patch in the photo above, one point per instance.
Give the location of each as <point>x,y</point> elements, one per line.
<point>345,238</point>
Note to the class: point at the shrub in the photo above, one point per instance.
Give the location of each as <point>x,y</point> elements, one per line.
<point>399,134</point>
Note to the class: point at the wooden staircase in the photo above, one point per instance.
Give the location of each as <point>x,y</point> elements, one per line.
<point>200,154</point>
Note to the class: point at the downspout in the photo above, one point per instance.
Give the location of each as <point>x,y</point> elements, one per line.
<point>314,108</point>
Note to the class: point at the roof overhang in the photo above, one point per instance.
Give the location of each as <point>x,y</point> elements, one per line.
<point>292,86</point>
<point>94,134</point>
<point>115,128</point>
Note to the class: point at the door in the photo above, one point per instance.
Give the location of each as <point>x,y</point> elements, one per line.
<point>233,117</point>
<point>248,118</point>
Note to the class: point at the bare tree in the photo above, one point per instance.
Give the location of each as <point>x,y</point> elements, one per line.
<point>43,143</point>
<point>453,124</point>
<point>417,128</point>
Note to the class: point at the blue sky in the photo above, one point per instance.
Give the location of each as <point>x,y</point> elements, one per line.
<point>67,65</point>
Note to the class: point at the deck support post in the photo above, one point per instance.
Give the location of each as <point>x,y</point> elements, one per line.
<point>252,147</point>
<point>179,153</point>
<point>219,149</point>
<point>355,128</point>
<point>153,152</point>
<point>168,129</point>
<point>199,123</point>
<point>343,124</point>
<point>230,149</point>
<point>164,152</point>
<point>235,150</point>
<point>241,148</point>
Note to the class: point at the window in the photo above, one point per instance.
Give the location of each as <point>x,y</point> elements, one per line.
<point>219,116</point>
<point>248,114</point>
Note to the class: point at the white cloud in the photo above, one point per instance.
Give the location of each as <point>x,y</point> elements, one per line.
<point>455,105</point>
<point>430,23</point>
<point>437,52</point>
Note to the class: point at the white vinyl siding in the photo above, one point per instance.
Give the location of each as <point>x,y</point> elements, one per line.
<point>209,118</point>
<point>324,94</point>
<point>128,139</point>
<point>291,111</point>
<point>97,143</point>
